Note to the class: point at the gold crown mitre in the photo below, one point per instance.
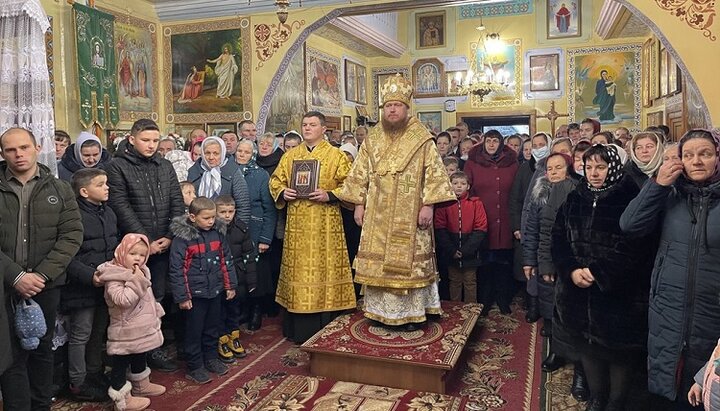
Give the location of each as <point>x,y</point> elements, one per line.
<point>397,88</point>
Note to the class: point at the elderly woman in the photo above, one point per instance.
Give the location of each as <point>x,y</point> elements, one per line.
<point>269,152</point>
<point>213,175</point>
<point>646,152</point>
<point>603,278</point>
<point>262,226</point>
<point>684,203</point>
<point>491,169</point>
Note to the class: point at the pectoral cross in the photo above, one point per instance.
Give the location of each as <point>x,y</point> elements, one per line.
<point>407,184</point>
<point>553,115</point>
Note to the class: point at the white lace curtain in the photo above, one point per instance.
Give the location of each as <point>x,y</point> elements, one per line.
<point>25,99</point>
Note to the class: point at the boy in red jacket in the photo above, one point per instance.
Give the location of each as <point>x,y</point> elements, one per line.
<point>461,228</point>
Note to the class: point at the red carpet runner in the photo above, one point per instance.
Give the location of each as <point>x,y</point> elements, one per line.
<point>501,371</point>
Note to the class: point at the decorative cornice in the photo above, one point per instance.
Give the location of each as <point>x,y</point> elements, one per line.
<point>357,28</point>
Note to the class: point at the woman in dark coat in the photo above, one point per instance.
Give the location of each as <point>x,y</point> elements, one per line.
<point>268,153</point>
<point>491,169</point>
<point>540,149</point>
<point>263,216</point>
<point>684,319</point>
<point>213,174</point>
<point>603,278</point>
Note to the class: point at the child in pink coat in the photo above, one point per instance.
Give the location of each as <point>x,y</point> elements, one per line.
<point>134,323</point>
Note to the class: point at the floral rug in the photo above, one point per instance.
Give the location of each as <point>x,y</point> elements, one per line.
<point>500,370</point>
<point>438,344</point>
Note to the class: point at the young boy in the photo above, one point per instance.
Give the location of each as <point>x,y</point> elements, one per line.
<point>245,258</point>
<point>82,296</point>
<point>460,229</point>
<point>188,193</point>
<point>201,268</point>
<point>452,165</point>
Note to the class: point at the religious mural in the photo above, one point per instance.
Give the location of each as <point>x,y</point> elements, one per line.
<point>287,108</point>
<point>323,87</point>
<point>563,18</point>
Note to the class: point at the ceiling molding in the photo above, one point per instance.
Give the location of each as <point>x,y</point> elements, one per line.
<point>612,19</point>
<point>357,29</point>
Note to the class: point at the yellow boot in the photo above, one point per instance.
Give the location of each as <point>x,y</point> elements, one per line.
<point>235,346</point>
<point>224,351</point>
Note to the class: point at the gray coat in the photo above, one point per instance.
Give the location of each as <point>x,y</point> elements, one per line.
<point>233,183</point>
<point>684,312</point>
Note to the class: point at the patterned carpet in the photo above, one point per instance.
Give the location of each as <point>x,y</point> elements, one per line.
<point>500,371</point>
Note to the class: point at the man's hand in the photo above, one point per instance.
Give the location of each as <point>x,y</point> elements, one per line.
<point>29,285</point>
<point>319,195</point>
<point>529,271</point>
<point>262,247</point>
<point>359,214</point>
<point>96,279</point>
<point>458,255</point>
<point>425,217</point>
<point>186,305</point>
<point>582,277</point>
<point>289,194</point>
<point>549,278</point>
<point>229,294</point>
<point>695,396</point>
<point>517,234</point>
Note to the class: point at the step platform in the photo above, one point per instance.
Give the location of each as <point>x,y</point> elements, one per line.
<point>351,348</point>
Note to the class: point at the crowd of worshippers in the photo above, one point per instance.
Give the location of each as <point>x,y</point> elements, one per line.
<point>155,250</point>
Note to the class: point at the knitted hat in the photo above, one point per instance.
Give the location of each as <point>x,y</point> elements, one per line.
<point>397,88</point>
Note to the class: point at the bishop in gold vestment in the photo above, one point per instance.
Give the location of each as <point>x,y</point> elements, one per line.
<point>315,272</point>
<point>395,175</point>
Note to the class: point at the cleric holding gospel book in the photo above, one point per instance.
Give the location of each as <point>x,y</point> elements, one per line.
<point>315,282</point>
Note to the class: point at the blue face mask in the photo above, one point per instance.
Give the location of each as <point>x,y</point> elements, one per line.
<point>540,153</point>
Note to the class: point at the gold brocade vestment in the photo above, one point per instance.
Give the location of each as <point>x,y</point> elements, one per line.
<point>394,178</point>
<point>315,271</point>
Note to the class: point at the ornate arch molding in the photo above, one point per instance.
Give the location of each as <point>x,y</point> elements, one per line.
<point>665,42</point>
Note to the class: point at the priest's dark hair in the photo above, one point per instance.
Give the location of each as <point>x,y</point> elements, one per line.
<point>143,124</point>
<point>317,114</point>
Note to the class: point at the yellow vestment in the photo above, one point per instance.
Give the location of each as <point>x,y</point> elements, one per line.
<point>394,178</point>
<point>315,272</point>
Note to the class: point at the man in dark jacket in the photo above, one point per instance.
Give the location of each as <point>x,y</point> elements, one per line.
<point>145,195</point>
<point>40,233</point>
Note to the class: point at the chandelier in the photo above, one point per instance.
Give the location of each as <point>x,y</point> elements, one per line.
<point>487,71</point>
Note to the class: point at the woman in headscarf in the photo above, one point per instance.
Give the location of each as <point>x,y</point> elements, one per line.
<point>263,216</point>
<point>646,153</point>
<point>684,203</point>
<point>491,169</point>
<point>268,152</point>
<point>540,149</point>
<point>603,279</point>
<point>213,175</point>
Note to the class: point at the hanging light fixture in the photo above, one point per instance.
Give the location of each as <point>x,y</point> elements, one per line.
<point>282,10</point>
<point>487,73</point>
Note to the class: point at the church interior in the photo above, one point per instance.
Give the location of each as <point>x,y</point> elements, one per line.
<point>520,65</point>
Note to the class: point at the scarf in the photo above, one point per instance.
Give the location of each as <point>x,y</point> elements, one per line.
<point>615,168</point>
<point>211,180</point>
<point>127,243</point>
<point>655,162</point>
<point>703,133</point>
<point>540,153</point>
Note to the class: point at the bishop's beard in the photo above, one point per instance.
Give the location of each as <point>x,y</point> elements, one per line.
<point>394,128</point>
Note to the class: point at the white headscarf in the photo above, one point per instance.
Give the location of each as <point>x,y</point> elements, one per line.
<point>211,180</point>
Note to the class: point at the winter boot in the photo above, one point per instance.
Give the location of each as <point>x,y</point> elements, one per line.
<point>142,387</point>
<point>124,401</point>
<point>235,346</point>
<point>224,352</point>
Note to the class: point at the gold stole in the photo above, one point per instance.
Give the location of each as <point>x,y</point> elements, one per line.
<point>393,157</point>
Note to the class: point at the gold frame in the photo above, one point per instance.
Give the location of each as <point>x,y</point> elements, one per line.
<point>442,79</point>
<point>228,117</point>
<point>418,17</point>
<point>153,66</point>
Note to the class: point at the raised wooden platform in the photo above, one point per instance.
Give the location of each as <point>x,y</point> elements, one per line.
<point>352,349</point>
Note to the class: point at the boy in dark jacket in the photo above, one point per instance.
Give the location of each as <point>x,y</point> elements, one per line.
<point>245,257</point>
<point>461,228</point>
<point>82,296</point>
<point>201,274</point>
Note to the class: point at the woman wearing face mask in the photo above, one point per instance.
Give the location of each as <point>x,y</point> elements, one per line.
<point>491,168</point>
<point>646,153</point>
<point>540,149</point>
<point>684,203</point>
<point>603,278</point>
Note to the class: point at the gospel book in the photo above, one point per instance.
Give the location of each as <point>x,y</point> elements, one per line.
<point>305,177</point>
